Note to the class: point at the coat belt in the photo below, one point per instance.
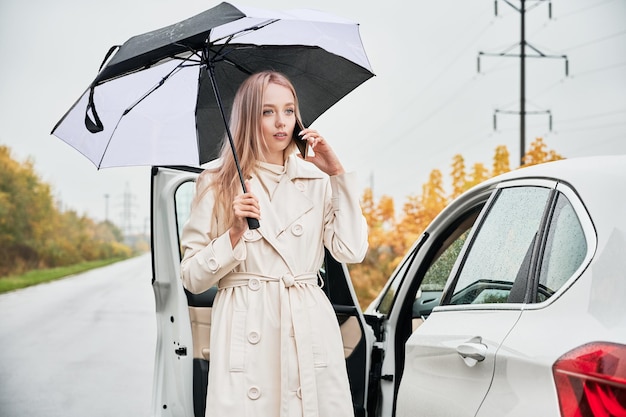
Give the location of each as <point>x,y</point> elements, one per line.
<point>241,279</point>
<point>293,313</point>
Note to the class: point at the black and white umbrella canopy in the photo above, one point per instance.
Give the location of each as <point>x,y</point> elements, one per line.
<point>154,100</point>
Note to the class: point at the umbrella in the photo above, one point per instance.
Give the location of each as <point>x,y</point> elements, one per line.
<point>162,97</point>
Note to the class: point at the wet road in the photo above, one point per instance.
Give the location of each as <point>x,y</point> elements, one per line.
<point>81,346</point>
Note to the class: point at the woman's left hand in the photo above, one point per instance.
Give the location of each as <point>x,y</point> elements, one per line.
<point>324,158</point>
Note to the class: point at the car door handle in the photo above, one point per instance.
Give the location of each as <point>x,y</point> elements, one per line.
<point>472,351</point>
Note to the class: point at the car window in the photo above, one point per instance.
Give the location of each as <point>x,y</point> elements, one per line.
<point>183,197</point>
<point>565,249</point>
<point>433,272</point>
<point>429,294</point>
<point>437,275</point>
<point>501,250</point>
<point>389,295</point>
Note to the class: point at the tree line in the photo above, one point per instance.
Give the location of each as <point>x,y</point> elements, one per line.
<point>391,235</point>
<point>35,233</point>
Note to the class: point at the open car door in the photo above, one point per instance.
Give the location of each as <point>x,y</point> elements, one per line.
<point>184,319</point>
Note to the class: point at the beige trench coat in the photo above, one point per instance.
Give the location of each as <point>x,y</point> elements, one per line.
<point>276,349</point>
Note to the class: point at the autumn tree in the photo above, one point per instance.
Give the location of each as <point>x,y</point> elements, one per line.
<point>409,227</point>
<point>26,207</point>
<point>433,198</point>
<point>368,207</point>
<point>390,238</point>
<point>539,153</point>
<point>418,212</point>
<point>478,174</point>
<point>370,275</point>
<point>35,234</point>
<point>501,161</point>
<point>459,177</point>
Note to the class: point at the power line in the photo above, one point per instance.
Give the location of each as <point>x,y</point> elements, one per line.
<point>410,122</point>
<point>593,42</point>
<point>594,116</point>
<point>584,9</point>
<point>451,63</point>
<point>573,13</point>
<point>601,142</point>
<point>578,75</point>
<point>595,70</point>
<point>596,127</point>
<point>416,96</point>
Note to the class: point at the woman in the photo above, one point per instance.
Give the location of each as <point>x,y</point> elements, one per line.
<point>276,349</point>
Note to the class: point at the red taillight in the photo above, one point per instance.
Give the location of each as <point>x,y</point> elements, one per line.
<point>591,381</point>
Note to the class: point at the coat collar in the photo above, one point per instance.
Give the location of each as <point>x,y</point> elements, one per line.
<point>297,168</point>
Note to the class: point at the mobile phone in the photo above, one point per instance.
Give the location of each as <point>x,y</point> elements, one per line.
<point>300,143</point>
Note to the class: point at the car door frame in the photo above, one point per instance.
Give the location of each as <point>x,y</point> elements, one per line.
<point>512,359</point>
<point>493,189</point>
<point>390,344</point>
<point>173,358</point>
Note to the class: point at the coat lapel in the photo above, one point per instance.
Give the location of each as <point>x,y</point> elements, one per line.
<point>289,203</point>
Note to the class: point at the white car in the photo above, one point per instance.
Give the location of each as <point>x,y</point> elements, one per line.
<point>511,303</point>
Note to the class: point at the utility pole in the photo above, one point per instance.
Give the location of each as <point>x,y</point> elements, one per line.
<point>127,211</point>
<point>106,208</point>
<point>522,9</point>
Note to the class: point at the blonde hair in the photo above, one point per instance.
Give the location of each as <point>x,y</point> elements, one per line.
<point>247,133</point>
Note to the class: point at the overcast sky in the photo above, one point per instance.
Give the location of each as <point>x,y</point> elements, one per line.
<point>426,103</point>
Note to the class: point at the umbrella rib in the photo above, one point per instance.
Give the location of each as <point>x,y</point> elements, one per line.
<point>109,141</point>
<point>218,56</point>
<point>95,127</point>
<point>132,106</point>
<point>245,31</point>
<point>192,51</point>
<point>156,87</point>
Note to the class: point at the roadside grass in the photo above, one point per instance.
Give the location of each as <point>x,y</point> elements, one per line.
<point>39,276</point>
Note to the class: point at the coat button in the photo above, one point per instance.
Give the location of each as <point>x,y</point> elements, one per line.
<point>254,284</point>
<point>299,392</point>
<point>254,337</point>
<point>212,264</point>
<point>297,229</point>
<point>249,234</point>
<point>300,186</point>
<point>254,392</point>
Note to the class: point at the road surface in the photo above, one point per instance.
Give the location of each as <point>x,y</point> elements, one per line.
<point>81,346</point>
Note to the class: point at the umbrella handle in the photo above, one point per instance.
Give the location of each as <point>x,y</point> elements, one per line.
<point>252,223</point>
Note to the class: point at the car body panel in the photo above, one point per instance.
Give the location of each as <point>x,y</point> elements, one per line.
<point>580,311</point>
<point>436,370</point>
<point>173,361</point>
<point>453,354</point>
<point>588,308</point>
<point>405,283</point>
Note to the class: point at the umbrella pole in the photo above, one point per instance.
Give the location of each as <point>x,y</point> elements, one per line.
<point>252,223</point>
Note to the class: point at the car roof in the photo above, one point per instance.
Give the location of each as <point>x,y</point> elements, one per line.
<point>600,181</point>
<point>573,170</point>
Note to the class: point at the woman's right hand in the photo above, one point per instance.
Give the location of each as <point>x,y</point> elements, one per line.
<point>245,206</point>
